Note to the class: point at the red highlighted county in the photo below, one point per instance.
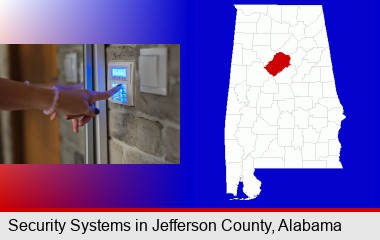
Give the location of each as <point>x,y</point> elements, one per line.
<point>278,63</point>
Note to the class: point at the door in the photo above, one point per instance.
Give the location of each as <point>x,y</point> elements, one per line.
<point>39,138</point>
<point>95,79</point>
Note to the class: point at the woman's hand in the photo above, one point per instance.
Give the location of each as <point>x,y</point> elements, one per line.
<point>78,104</point>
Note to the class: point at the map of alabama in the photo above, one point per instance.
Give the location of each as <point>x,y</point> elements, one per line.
<point>283,109</point>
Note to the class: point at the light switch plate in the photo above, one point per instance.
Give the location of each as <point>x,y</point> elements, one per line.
<point>148,66</point>
<point>153,70</point>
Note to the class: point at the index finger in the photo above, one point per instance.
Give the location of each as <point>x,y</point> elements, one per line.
<point>105,95</point>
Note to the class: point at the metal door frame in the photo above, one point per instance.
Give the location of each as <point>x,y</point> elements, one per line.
<point>96,141</point>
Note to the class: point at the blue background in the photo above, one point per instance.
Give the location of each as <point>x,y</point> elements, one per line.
<point>205,30</point>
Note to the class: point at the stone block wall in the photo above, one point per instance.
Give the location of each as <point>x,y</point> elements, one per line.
<point>149,132</point>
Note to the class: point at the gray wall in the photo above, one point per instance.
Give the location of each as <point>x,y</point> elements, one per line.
<point>72,144</point>
<point>150,131</point>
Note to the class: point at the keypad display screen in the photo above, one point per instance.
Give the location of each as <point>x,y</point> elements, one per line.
<point>119,73</point>
<point>121,95</point>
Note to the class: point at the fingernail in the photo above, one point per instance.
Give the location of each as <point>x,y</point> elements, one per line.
<point>97,111</point>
